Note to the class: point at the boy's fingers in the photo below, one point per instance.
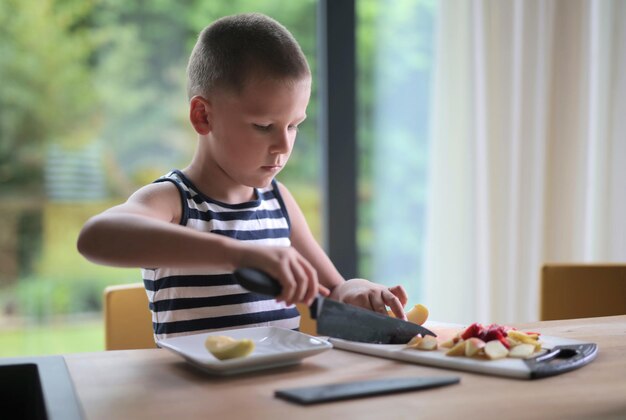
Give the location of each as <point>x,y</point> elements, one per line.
<point>376,303</point>
<point>288,283</point>
<point>394,303</point>
<point>400,293</point>
<point>302,282</point>
<point>313,284</point>
<point>323,290</point>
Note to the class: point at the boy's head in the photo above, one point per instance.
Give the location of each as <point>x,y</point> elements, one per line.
<point>237,49</point>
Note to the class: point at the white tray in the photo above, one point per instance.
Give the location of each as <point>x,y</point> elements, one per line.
<point>273,347</point>
<point>578,354</point>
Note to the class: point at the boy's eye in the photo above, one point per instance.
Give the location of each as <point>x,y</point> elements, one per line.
<point>293,127</point>
<point>261,127</point>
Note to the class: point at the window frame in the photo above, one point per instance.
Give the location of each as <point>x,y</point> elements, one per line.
<point>337,131</point>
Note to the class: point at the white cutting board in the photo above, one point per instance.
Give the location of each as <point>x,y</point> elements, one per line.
<point>575,354</point>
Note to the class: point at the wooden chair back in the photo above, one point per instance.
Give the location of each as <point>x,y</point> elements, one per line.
<point>582,290</point>
<point>128,320</point>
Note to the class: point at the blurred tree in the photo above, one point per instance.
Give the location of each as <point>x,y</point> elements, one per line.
<point>114,71</point>
<point>45,90</point>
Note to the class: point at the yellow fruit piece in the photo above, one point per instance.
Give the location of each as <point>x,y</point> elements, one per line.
<point>415,341</point>
<point>522,337</point>
<point>428,343</point>
<point>418,315</point>
<point>448,344</point>
<point>457,350</point>
<point>224,347</point>
<point>513,342</point>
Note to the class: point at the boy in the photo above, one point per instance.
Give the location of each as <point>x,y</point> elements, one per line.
<point>249,86</point>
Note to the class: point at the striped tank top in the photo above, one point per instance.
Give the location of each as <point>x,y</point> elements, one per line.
<point>191,301</point>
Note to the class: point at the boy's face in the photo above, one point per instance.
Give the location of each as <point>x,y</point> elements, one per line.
<point>252,133</point>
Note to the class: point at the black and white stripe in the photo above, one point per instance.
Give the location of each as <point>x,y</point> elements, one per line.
<point>189,301</point>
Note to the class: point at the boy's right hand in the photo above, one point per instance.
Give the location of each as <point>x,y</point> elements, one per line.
<point>295,274</point>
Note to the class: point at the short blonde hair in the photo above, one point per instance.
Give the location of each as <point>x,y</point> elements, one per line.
<point>233,49</point>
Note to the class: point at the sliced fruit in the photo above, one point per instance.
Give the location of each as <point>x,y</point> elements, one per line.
<point>415,341</point>
<point>448,344</point>
<point>457,350</point>
<point>495,350</point>
<point>472,331</point>
<point>493,333</point>
<point>522,351</point>
<point>473,346</point>
<point>224,347</point>
<point>428,343</point>
<point>512,342</point>
<point>418,314</point>
<point>522,337</point>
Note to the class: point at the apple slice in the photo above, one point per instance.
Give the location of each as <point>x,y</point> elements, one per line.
<point>495,350</point>
<point>415,341</point>
<point>473,346</point>
<point>448,344</point>
<point>428,343</point>
<point>224,347</point>
<point>457,350</point>
<point>522,351</point>
<point>418,314</point>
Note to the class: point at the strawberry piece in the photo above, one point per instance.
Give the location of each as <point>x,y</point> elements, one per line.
<point>493,333</point>
<point>471,331</point>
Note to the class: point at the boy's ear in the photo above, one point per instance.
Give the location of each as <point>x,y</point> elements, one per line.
<point>200,114</point>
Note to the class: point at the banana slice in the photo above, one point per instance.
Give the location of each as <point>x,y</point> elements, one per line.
<point>224,347</point>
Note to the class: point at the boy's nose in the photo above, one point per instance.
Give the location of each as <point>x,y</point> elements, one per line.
<point>281,143</point>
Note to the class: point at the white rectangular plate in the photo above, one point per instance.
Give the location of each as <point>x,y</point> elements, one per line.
<point>508,367</point>
<point>273,347</point>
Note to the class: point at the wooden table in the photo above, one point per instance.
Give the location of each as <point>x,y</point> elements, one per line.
<point>155,384</point>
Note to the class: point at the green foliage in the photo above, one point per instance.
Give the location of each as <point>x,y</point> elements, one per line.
<point>42,298</point>
<point>46,89</point>
<point>57,338</point>
<point>115,70</point>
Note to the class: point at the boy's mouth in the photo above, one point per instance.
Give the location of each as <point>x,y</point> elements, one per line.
<point>272,167</point>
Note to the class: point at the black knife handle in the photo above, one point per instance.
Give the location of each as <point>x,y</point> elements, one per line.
<point>257,281</point>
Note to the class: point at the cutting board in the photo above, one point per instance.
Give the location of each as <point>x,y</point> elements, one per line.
<point>559,355</point>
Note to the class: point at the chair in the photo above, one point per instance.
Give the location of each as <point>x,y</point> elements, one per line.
<point>128,321</point>
<point>307,324</point>
<point>127,318</point>
<point>582,290</point>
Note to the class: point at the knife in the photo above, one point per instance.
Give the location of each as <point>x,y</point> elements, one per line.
<point>339,320</point>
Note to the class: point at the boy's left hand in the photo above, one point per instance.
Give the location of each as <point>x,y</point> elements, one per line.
<point>376,297</point>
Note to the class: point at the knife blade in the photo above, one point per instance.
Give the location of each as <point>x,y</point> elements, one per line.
<point>337,319</point>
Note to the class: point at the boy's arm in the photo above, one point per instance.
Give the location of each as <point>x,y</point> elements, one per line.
<point>358,292</point>
<point>145,232</point>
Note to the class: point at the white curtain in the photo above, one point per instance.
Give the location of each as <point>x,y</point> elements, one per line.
<point>528,151</point>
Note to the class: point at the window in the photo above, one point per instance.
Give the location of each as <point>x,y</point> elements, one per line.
<point>395,56</point>
<point>94,107</point>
